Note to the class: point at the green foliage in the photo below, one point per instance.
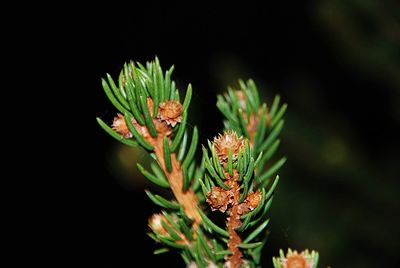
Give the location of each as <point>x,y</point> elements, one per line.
<point>158,179</point>
<point>246,116</point>
<point>137,95</point>
<point>254,222</point>
<point>136,84</point>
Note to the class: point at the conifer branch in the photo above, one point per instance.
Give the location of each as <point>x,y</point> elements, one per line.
<point>234,176</point>
<point>152,112</point>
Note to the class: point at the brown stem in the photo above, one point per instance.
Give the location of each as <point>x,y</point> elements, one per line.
<point>234,222</point>
<point>187,199</point>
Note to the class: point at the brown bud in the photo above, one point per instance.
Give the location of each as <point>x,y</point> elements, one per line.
<point>119,125</point>
<point>171,112</point>
<point>162,127</point>
<point>253,199</point>
<point>155,223</point>
<point>219,199</point>
<point>250,203</point>
<point>224,142</point>
<point>296,260</point>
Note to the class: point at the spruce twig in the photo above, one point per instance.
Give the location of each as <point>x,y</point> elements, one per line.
<point>234,176</point>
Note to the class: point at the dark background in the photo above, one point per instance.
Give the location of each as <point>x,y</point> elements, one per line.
<point>336,64</point>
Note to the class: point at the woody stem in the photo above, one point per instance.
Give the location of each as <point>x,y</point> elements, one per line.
<point>234,222</point>
<point>187,199</point>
